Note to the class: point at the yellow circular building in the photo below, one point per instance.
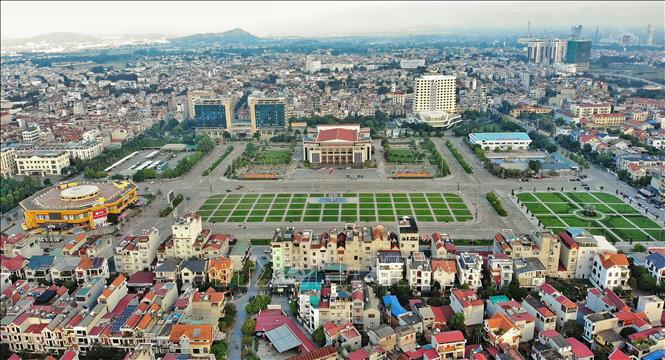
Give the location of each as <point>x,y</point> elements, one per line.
<point>89,205</point>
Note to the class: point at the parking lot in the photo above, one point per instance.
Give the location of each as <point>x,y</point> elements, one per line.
<point>129,167</point>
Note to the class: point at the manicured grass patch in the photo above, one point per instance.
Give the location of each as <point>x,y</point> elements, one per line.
<point>656,234</point>
<point>245,206</point>
<point>330,212</point>
<point>445,219</point>
<point>461,212</point>
<point>441,212</point>
<point>561,208</point>
<point>222,213</point>
<point>311,218</point>
<point>423,218</point>
<point>348,218</point>
<point>617,222</point>
<point>279,206</point>
<point>582,198</point>
<point>367,218</point>
<point>550,197</point>
<point>240,213</point>
<point>643,222</point>
<point>607,198</point>
<point>330,219</point>
<point>623,209</point>
<point>463,218</point>
<point>632,234</point>
<point>274,157</point>
<point>236,219</point>
<point>367,212</point>
<point>386,212</point>
<point>420,206</point>
<point>315,212</point>
<point>551,222</point>
<point>208,207</point>
<point>274,219</point>
<point>457,206</point>
<point>526,197</point>
<point>423,212</point>
<point>538,209</point>
<point>292,218</point>
<point>349,212</point>
<point>255,219</point>
<point>258,213</point>
<point>296,206</point>
<point>261,206</point>
<point>573,221</point>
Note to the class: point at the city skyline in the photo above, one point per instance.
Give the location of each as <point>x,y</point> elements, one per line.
<point>309,19</point>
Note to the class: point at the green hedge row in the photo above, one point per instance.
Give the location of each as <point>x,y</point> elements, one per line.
<point>496,204</point>
<point>459,157</point>
<point>218,161</point>
<point>169,209</point>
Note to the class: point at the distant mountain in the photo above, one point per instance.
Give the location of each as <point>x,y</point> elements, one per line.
<point>235,37</point>
<point>56,38</point>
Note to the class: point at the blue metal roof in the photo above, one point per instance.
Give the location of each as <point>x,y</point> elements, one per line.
<point>501,136</point>
<point>657,259</point>
<point>41,261</point>
<point>396,308</point>
<point>658,354</point>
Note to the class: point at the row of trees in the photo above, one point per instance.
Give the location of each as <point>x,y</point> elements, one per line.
<point>14,190</point>
<point>435,157</point>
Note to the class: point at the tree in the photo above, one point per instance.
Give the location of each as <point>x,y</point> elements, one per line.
<point>220,349</point>
<point>515,291</point>
<point>257,136</point>
<point>257,304</point>
<point>226,135</point>
<point>319,337</point>
<point>457,322</point>
<point>535,165</point>
<point>572,329</point>
<point>248,327</point>
<point>639,248</point>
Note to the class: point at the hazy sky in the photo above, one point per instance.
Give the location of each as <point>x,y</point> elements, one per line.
<point>23,19</point>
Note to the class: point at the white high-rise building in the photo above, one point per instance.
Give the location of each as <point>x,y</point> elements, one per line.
<point>650,35</point>
<point>311,65</point>
<point>435,92</point>
<point>537,51</point>
<point>556,51</point>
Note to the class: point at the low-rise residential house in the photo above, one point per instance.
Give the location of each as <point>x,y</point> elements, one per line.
<point>383,335</point>
<point>39,268</point>
<point>371,312</point>
<point>449,344</point>
<point>441,245</point>
<point>520,317</point>
<point>610,271</point>
<point>25,245</point>
<point>112,294</point>
<point>419,272</point>
<point>545,318</point>
<point>406,338</point>
<point>13,266</point>
<point>655,263</point>
<point>595,323</point>
<point>469,269</point>
<point>220,270</point>
<point>500,331</point>
<point>209,303</point>
<point>87,295</point>
<point>195,340</point>
<point>91,267</point>
<point>598,300</point>
<point>652,307</point>
<point>530,272</point>
<point>389,267</point>
<point>408,235</point>
<point>500,267</point>
<point>345,335</point>
<point>468,303</point>
<point>64,268</point>
<point>193,272</point>
<point>137,253</point>
<point>444,272</point>
<point>564,308</point>
<point>167,270</point>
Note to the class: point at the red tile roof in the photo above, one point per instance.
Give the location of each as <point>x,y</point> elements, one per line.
<point>321,353</point>
<point>449,337</point>
<point>579,349</point>
<point>337,134</point>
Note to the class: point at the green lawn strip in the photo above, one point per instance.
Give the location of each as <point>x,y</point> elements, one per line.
<point>463,218</point>
<point>607,198</point>
<point>244,206</point>
<point>441,212</point>
<point>367,218</point>
<point>349,212</point>
<point>217,219</point>
<point>349,218</point>
<point>313,212</point>
<point>617,222</point>
<point>279,206</point>
<point>258,213</point>
<point>205,213</point>
<point>382,200</point>
<point>292,218</point>
<point>561,208</point>
<point>538,208</point>
<point>573,221</point>
<point>384,206</point>
<point>367,212</point>
<point>330,212</point>
<point>209,206</point>
<point>423,218</point>
<point>604,209</point>
<point>279,213</point>
<point>297,206</point>
<point>632,234</point>
<point>387,218</point>
<point>330,219</point>
<point>526,197</point>
<point>623,209</point>
<point>422,212</point>
<point>223,213</point>
<point>659,235</point>
<point>236,219</point>
<point>261,206</point>
<point>550,197</point>
<point>240,213</point>
<point>255,219</point>
<point>550,222</point>
<point>643,222</point>
<point>314,206</point>
<point>274,219</point>
<point>445,219</point>
<point>582,198</point>
<point>457,206</point>
<point>311,218</point>
<point>284,196</point>
<point>386,212</point>
<point>227,206</point>
<point>367,206</point>
<point>420,205</point>
<point>461,212</point>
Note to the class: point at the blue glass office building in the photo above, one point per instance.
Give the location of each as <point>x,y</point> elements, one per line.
<point>578,52</point>
<point>269,115</point>
<point>210,115</point>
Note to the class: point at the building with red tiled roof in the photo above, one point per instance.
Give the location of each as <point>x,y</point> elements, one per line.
<point>220,270</point>
<point>324,353</point>
<point>564,308</point>
<point>338,144</point>
<point>444,271</point>
<point>449,344</point>
<point>466,301</point>
<point>198,338</point>
<point>610,271</point>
